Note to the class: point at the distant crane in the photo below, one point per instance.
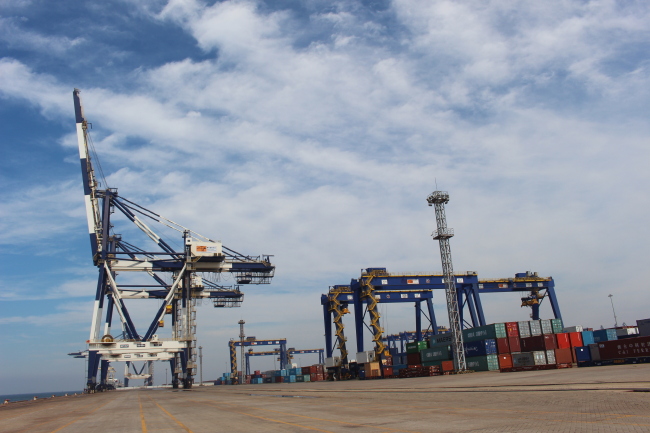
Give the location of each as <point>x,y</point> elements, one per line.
<point>438,199</point>
<point>180,277</point>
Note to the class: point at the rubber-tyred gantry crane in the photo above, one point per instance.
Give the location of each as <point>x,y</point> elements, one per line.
<point>181,276</point>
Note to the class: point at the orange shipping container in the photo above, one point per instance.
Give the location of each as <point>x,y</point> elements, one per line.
<point>563,341</point>
<point>447,365</point>
<point>576,339</point>
<point>505,361</point>
<point>512,329</point>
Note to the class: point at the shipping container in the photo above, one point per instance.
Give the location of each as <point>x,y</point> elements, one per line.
<point>575,338</point>
<point>444,339</point>
<point>413,358</point>
<point>482,363</point>
<point>367,356</point>
<point>522,359</point>
<point>505,361</point>
<point>440,353</point>
<point>582,354</point>
<point>587,338</point>
<point>539,357</point>
<point>563,356</point>
<point>416,346</point>
<point>539,342</point>
<point>447,366</point>
<point>299,378</point>
<point>524,329</point>
<point>557,325</point>
<point>387,360</point>
<point>515,344</point>
<point>643,326</point>
<point>512,329</point>
<point>387,370</point>
<point>493,331</point>
<point>634,347</point>
<point>594,352</point>
<point>604,335</point>
<point>550,356</point>
<point>563,341</point>
<point>503,345</point>
<point>432,363</point>
<point>535,328</point>
<point>627,332</point>
<point>480,348</point>
<point>573,329</point>
<point>547,328</point>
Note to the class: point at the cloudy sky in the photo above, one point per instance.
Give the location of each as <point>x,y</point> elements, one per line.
<point>314,131</point>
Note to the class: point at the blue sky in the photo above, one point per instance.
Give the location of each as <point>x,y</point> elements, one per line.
<point>314,131</point>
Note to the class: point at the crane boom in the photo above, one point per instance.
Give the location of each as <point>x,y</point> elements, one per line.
<point>88,176</point>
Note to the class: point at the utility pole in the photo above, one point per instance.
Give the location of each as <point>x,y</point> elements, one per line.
<point>439,199</point>
<point>201,365</point>
<point>615,320</point>
<point>241,338</point>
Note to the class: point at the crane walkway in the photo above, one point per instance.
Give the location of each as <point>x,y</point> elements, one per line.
<point>607,399</point>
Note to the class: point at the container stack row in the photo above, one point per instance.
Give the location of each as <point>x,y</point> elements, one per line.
<point>313,373</point>
<point>632,350</point>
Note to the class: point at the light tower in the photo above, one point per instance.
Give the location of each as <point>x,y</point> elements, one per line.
<point>438,199</point>
<point>241,338</point>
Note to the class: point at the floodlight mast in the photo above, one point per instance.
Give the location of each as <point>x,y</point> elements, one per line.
<point>438,199</point>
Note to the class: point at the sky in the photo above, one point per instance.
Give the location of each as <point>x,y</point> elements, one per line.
<point>314,131</point>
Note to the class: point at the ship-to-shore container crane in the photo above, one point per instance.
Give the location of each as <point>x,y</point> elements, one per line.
<point>180,278</point>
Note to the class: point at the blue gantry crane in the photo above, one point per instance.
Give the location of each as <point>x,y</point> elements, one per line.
<point>253,342</point>
<point>290,353</point>
<point>377,285</point>
<point>179,277</point>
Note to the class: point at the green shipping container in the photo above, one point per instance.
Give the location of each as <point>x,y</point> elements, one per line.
<point>416,346</point>
<point>432,364</point>
<point>440,353</point>
<point>557,326</point>
<point>493,331</point>
<point>482,363</point>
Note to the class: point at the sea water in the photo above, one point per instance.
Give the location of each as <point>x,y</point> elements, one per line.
<point>38,395</point>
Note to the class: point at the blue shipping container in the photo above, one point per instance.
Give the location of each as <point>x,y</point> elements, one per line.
<point>583,353</point>
<point>604,335</point>
<point>480,348</point>
<point>587,338</point>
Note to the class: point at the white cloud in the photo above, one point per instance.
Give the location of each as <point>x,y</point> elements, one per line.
<point>12,34</point>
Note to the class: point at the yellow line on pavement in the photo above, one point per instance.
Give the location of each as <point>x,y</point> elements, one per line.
<point>144,424</point>
<point>171,416</point>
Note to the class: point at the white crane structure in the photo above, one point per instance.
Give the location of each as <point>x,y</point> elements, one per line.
<point>177,278</point>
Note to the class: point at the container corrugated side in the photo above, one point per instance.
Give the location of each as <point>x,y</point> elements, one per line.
<point>563,356</point>
<point>594,352</point>
<point>550,356</point>
<point>512,329</point>
<point>480,348</point>
<point>482,363</point>
<point>634,347</point>
<point>604,335</point>
<point>587,338</point>
<point>493,331</point>
<point>539,357</point>
<point>440,339</point>
<point>524,329</point>
<point>522,359</point>
<point>557,325</point>
<point>535,328</point>
<point>547,328</point>
<point>440,353</point>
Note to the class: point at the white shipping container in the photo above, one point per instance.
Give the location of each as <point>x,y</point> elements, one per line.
<point>535,328</point>
<point>573,329</point>
<point>547,328</point>
<point>365,357</point>
<point>524,329</point>
<point>539,357</point>
<point>550,357</point>
<point>334,361</point>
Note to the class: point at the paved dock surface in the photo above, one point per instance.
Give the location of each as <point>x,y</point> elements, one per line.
<point>596,399</point>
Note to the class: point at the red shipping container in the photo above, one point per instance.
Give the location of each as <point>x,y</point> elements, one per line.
<point>503,346</point>
<point>563,340</point>
<point>413,358</point>
<point>387,370</point>
<point>514,344</point>
<point>564,356</point>
<point>279,379</point>
<point>505,361</point>
<point>258,372</point>
<point>634,347</point>
<point>388,360</point>
<point>512,329</point>
<point>576,339</point>
<point>447,365</point>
